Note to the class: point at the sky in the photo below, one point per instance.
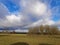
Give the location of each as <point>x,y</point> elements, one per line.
<point>29,13</point>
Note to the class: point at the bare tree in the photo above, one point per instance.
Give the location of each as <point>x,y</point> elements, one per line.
<point>47,29</point>
<point>41,28</point>
<point>34,30</point>
<point>44,30</point>
<point>13,31</point>
<point>54,30</point>
<point>30,31</point>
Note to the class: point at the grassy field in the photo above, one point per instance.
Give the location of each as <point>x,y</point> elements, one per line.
<point>12,39</point>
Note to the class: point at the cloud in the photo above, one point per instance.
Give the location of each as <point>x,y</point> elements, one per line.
<point>42,22</point>
<point>31,13</point>
<point>11,21</point>
<point>57,23</point>
<point>7,19</point>
<point>21,30</point>
<point>36,9</point>
<point>33,7</point>
<point>13,18</point>
<point>3,10</point>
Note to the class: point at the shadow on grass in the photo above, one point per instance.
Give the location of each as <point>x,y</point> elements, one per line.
<point>20,43</point>
<point>3,35</point>
<point>45,44</point>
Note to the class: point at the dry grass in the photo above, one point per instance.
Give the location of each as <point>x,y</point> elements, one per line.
<point>9,39</point>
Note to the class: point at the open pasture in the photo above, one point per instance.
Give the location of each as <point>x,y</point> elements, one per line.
<point>25,39</point>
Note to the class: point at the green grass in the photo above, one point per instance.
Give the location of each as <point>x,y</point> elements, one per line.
<point>9,39</point>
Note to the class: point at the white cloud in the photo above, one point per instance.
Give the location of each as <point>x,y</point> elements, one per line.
<point>13,18</point>
<point>14,21</point>
<point>57,23</point>
<point>18,30</point>
<point>11,21</point>
<point>49,22</point>
<point>38,8</point>
<point>42,22</point>
<point>35,8</point>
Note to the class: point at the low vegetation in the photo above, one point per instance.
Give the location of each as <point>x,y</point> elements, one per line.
<point>24,39</point>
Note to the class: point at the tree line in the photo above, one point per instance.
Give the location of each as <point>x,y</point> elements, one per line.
<point>51,30</point>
